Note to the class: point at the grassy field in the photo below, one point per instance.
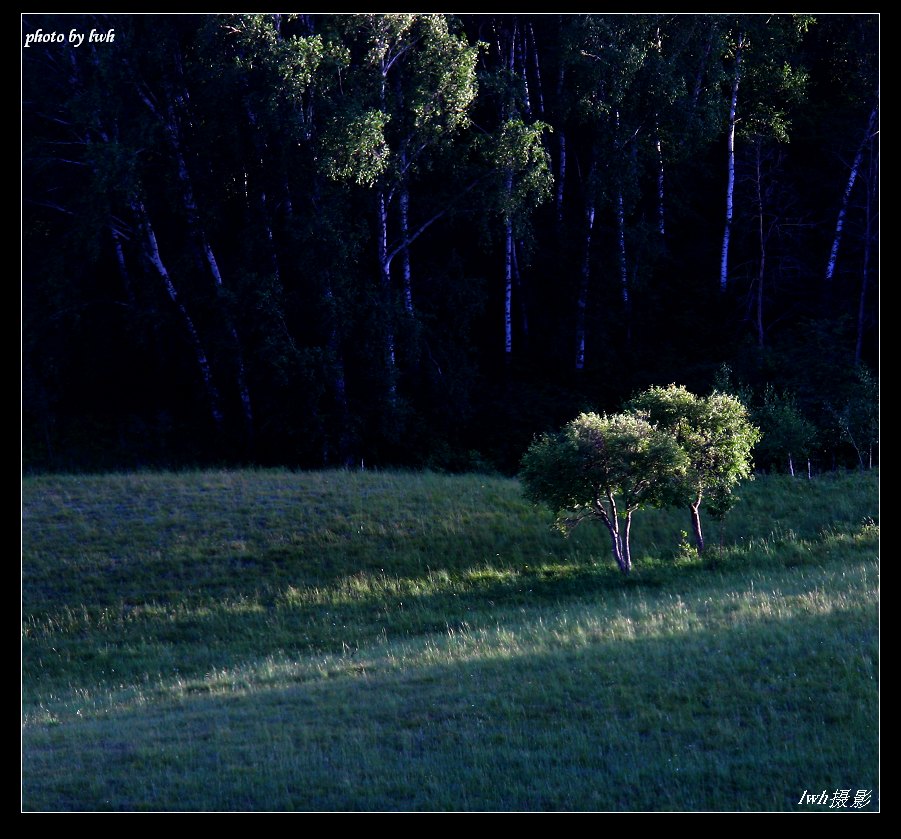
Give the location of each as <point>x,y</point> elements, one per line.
<point>270,640</point>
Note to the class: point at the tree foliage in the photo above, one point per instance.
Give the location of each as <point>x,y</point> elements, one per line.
<point>603,467</point>
<point>320,239</point>
<point>717,437</point>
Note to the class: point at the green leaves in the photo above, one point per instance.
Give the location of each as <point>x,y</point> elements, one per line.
<point>521,151</point>
<point>714,432</point>
<point>670,447</point>
<point>359,150</point>
<point>597,456</point>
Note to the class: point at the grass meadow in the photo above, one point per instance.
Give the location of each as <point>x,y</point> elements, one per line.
<point>268,640</point>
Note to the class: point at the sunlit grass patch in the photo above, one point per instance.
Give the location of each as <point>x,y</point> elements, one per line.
<point>399,641</point>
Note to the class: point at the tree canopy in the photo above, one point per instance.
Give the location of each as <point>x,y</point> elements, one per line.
<point>603,467</point>
<point>417,239</point>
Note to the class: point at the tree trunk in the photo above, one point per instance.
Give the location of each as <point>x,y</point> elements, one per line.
<point>385,282</point>
<point>762,245</point>
<point>519,42</point>
<point>623,266</point>
<point>508,273</point>
<point>626,566</point>
<point>521,298</point>
<point>339,389</point>
<point>582,301</point>
<point>561,138</point>
<point>537,68</point>
<point>791,465</point>
<point>730,184</point>
<point>337,376</point>
<point>843,209</point>
<point>404,206</point>
<point>702,71</point>
<point>620,543</point>
<point>198,235</point>
<point>696,525</point>
<point>152,254</point>
<point>865,270</point>
<point>120,261</point>
<point>660,208</point>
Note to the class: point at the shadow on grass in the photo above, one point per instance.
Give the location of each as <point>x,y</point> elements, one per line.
<point>746,718</point>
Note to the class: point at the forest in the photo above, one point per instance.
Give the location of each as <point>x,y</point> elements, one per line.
<point>419,240</point>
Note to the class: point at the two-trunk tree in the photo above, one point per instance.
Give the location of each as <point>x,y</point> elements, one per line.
<point>717,438</point>
<point>605,468</point>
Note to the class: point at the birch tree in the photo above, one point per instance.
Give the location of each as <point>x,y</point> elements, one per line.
<point>765,75</point>
<point>717,436</point>
<point>407,94</point>
<point>604,468</point>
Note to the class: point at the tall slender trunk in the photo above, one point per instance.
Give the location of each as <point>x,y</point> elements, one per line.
<point>265,215</point>
<point>730,183</point>
<point>702,71</point>
<point>846,197</point>
<point>561,141</point>
<point>385,282</point>
<point>520,296</point>
<point>170,122</point>
<point>865,270</point>
<point>619,539</point>
<point>626,567</point>
<point>623,266</point>
<point>661,227</point>
<point>696,524</point>
<point>151,252</point>
<point>120,262</point>
<point>404,207</point>
<point>621,248</point>
<point>537,69</point>
<point>518,45</point>
<point>761,269</point>
<point>508,274</point>
<point>337,380</point>
<point>584,280</point>
<point>338,383</point>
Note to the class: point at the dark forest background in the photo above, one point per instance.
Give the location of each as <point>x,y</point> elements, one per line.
<point>418,240</point>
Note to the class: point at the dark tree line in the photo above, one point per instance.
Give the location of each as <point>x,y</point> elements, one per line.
<point>420,239</point>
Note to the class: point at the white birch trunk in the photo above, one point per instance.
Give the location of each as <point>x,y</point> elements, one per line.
<point>762,243</point>
<point>198,234</point>
<point>338,379</point>
<point>520,296</point>
<point>865,270</point>
<point>582,300</point>
<point>660,206</point>
<point>621,248</point>
<point>508,277</point>
<point>404,207</point>
<point>120,261</point>
<point>537,68</point>
<point>152,253</point>
<point>843,209</point>
<point>385,280</point>
<point>561,135</point>
<point>702,71</point>
<point>519,43</point>
<point>730,184</point>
